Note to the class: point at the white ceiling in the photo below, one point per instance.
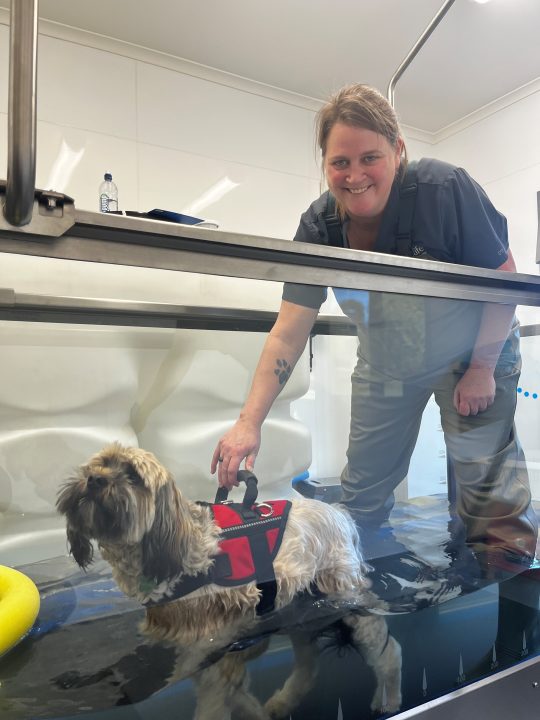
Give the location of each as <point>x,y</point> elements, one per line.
<point>479,52</point>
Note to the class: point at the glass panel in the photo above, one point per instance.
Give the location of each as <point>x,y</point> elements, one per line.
<point>454,582</point>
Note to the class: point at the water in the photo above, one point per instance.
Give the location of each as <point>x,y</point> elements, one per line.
<point>86,657</point>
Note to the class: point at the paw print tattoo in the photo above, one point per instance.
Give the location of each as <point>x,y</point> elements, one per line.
<point>283,371</point>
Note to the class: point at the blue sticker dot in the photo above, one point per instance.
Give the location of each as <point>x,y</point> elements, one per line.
<point>528,393</point>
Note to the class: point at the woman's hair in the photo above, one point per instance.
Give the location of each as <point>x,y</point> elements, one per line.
<point>360,106</point>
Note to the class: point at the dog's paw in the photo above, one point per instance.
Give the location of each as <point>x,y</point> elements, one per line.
<point>386,705</point>
<point>277,707</point>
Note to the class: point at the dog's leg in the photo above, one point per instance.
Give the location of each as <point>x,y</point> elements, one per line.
<point>383,654</point>
<point>247,707</point>
<point>223,687</point>
<point>301,680</point>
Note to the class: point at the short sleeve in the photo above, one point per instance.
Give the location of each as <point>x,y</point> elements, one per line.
<point>311,296</point>
<point>479,229</point>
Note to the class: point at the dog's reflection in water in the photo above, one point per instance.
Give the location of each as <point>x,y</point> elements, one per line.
<point>153,538</point>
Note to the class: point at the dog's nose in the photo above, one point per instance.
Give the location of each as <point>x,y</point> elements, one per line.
<point>96,481</point>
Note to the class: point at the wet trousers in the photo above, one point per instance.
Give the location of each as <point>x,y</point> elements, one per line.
<point>493,496</point>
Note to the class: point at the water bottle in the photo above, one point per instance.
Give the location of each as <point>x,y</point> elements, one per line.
<point>108,194</point>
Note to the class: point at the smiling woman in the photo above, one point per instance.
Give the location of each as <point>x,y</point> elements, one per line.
<point>408,348</point>
<point>360,167</point>
<point>19,606</point>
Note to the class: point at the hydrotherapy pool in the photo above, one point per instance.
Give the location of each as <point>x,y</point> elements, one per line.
<point>171,378</point>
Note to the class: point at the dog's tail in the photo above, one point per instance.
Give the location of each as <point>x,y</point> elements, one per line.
<point>338,639</point>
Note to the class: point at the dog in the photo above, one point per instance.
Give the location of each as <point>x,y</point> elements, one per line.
<point>152,537</point>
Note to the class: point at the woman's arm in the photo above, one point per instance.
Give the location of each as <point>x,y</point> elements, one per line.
<point>283,347</point>
<point>475,392</point>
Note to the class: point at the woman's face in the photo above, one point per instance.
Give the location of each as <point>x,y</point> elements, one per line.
<point>360,167</point>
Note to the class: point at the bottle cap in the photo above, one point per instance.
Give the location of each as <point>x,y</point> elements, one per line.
<point>107,176</point>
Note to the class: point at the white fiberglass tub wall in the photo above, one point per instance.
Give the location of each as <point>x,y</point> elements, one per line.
<point>67,391</point>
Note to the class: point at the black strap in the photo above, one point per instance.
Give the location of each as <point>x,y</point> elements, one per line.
<point>266,579</point>
<point>189,583</point>
<point>407,205</point>
<point>333,222</point>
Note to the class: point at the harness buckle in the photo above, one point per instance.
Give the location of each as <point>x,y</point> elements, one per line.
<point>269,510</point>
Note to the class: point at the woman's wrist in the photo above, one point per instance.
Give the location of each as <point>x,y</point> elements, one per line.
<point>485,365</point>
<point>250,418</point>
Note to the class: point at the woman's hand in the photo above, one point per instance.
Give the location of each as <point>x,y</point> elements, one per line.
<point>282,348</point>
<point>242,441</point>
<point>475,392</point>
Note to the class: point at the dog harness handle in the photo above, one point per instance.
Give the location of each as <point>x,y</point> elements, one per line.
<point>250,496</point>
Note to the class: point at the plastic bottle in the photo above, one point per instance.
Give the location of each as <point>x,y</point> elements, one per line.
<point>108,194</point>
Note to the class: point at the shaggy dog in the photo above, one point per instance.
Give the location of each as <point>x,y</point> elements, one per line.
<point>152,536</point>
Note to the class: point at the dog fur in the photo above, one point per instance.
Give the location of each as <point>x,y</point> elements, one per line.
<point>151,535</point>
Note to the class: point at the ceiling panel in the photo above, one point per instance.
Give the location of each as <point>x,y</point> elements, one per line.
<point>478,53</point>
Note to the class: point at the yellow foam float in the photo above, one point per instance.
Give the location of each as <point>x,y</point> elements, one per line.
<point>19,606</point>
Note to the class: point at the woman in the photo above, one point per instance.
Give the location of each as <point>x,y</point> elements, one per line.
<point>464,353</point>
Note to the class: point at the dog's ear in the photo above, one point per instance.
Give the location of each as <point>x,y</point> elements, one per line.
<point>165,544</point>
<point>80,546</point>
<point>79,543</point>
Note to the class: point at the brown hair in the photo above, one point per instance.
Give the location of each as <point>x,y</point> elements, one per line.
<point>361,106</point>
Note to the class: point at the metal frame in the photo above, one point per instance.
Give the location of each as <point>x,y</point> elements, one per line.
<point>511,693</point>
<point>21,166</point>
<point>27,307</point>
<point>102,238</point>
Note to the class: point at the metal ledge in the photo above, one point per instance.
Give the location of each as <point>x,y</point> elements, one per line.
<point>25,307</point>
<point>118,240</point>
<point>512,693</point>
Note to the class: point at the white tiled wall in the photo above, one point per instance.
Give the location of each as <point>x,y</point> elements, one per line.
<point>68,157</point>
<point>186,113</point>
<point>239,197</point>
<point>168,138</point>
<point>88,89</point>
<point>172,141</point>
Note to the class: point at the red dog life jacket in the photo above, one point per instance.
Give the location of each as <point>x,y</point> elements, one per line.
<point>250,540</point>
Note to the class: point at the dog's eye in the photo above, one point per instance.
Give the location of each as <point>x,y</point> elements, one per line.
<point>134,477</point>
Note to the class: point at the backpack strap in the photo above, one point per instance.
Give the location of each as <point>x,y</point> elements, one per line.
<point>407,205</point>
<point>332,222</point>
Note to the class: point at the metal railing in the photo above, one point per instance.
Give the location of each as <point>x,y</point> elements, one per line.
<point>416,49</point>
<point>21,167</point>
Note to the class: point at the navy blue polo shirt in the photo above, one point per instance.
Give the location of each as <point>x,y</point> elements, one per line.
<point>455,222</point>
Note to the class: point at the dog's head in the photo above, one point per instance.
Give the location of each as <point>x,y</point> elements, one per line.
<point>123,497</point>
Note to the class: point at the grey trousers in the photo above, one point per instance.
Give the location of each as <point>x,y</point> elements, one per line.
<point>493,496</point>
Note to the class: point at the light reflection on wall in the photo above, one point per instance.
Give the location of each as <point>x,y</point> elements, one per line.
<point>63,167</point>
<point>211,196</point>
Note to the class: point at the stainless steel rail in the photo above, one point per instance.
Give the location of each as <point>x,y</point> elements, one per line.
<point>25,307</point>
<point>21,164</point>
<point>99,237</point>
<point>416,48</point>
<point>29,307</point>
